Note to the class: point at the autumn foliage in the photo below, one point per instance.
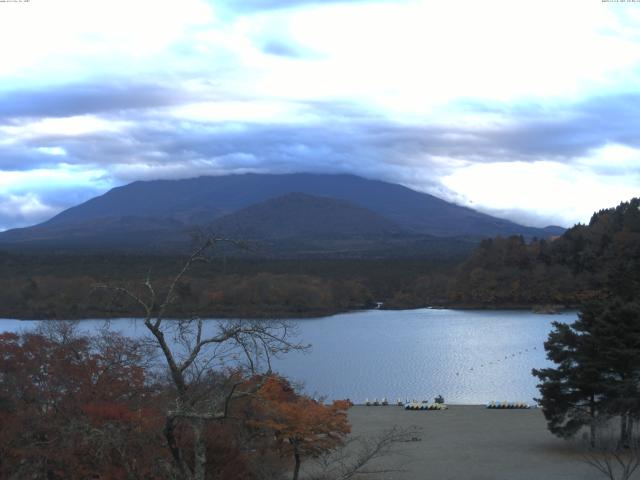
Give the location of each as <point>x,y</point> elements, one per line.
<point>75,407</point>
<point>303,427</point>
<point>70,408</point>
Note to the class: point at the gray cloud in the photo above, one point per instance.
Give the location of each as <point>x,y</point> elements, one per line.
<point>566,131</point>
<point>347,137</point>
<point>282,48</point>
<point>21,157</point>
<point>79,99</point>
<point>349,140</point>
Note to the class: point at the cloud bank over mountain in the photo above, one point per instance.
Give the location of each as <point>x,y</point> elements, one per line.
<point>519,114</point>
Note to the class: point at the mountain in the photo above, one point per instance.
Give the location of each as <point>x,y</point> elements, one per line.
<point>302,215</point>
<point>127,232</point>
<point>158,214</point>
<point>305,226</point>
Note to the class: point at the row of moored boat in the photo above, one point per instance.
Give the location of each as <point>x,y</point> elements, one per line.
<point>500,405</point>
<point>440,405</point>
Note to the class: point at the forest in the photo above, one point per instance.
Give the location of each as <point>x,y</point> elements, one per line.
<point>583,264</point>
<point>503,272</point>
<point>52,286</point>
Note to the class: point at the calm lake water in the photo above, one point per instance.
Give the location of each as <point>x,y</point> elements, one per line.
<point>468,357</point>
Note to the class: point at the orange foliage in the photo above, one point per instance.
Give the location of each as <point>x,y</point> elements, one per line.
<point>300,423</point>
<point>79,408</point>
<point>74,410</point>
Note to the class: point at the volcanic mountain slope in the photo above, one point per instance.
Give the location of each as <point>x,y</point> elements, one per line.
<point>157,214</point>
<point>305,216</point>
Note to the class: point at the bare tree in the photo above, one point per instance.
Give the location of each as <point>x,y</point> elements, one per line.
<point>196,353</point>
<point>360,457</point>
<point>609,457</point>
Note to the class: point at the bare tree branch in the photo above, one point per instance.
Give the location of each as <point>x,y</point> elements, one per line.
<point>189,352</point>
<point>359,456</point>
<point>607,456</point>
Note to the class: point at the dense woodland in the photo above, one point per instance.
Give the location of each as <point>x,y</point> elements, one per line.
<point>583,264</point>
<point>595,382</point>
<point>54,286</point>
<point>500,273</point>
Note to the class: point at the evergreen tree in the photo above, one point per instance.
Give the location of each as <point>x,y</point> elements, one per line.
<point>598,370</point>
<point>572,391</point>
<point>615,326</point>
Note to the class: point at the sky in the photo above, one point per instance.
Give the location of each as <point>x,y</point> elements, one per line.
<point>528,110</point>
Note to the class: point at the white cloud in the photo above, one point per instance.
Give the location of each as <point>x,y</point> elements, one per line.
<point>29,197</point>
<point>408,57</point>
<point>553,192</point>
<point>403,57</point>
<point>27,206</point>
<point>616,159</point>
<point>243,111</point>
<point>55,151</point>
<point>64,126</point>
<point>79,38</point>
<point>22,182</point>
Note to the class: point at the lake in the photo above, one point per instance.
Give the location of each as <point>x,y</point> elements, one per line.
<point>469,357</point>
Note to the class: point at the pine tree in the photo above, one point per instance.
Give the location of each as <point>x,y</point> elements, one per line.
<point>572,392</point>
<point>615,326</point>
<point>597,376</point>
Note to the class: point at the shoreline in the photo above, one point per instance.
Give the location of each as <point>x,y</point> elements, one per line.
<point>288,314</point>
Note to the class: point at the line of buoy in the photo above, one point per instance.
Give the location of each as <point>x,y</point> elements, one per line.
<point>507,357</point>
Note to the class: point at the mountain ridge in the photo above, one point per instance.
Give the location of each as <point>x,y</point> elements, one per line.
<point>158,213</point>
<point>299,214</point>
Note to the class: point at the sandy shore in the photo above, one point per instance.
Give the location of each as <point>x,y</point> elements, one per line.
<point>474,443</point>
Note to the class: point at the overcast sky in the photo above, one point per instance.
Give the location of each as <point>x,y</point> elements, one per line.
<point>524,109</point>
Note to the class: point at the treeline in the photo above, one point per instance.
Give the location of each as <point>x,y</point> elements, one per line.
<point>65,286</point>
<point>581,265</point>
<point>500,273</point>
<point>595,382</point>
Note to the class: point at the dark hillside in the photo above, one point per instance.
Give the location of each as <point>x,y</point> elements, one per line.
<point>581,264</point>
<point>158,215</point>
<point>302,215</point>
